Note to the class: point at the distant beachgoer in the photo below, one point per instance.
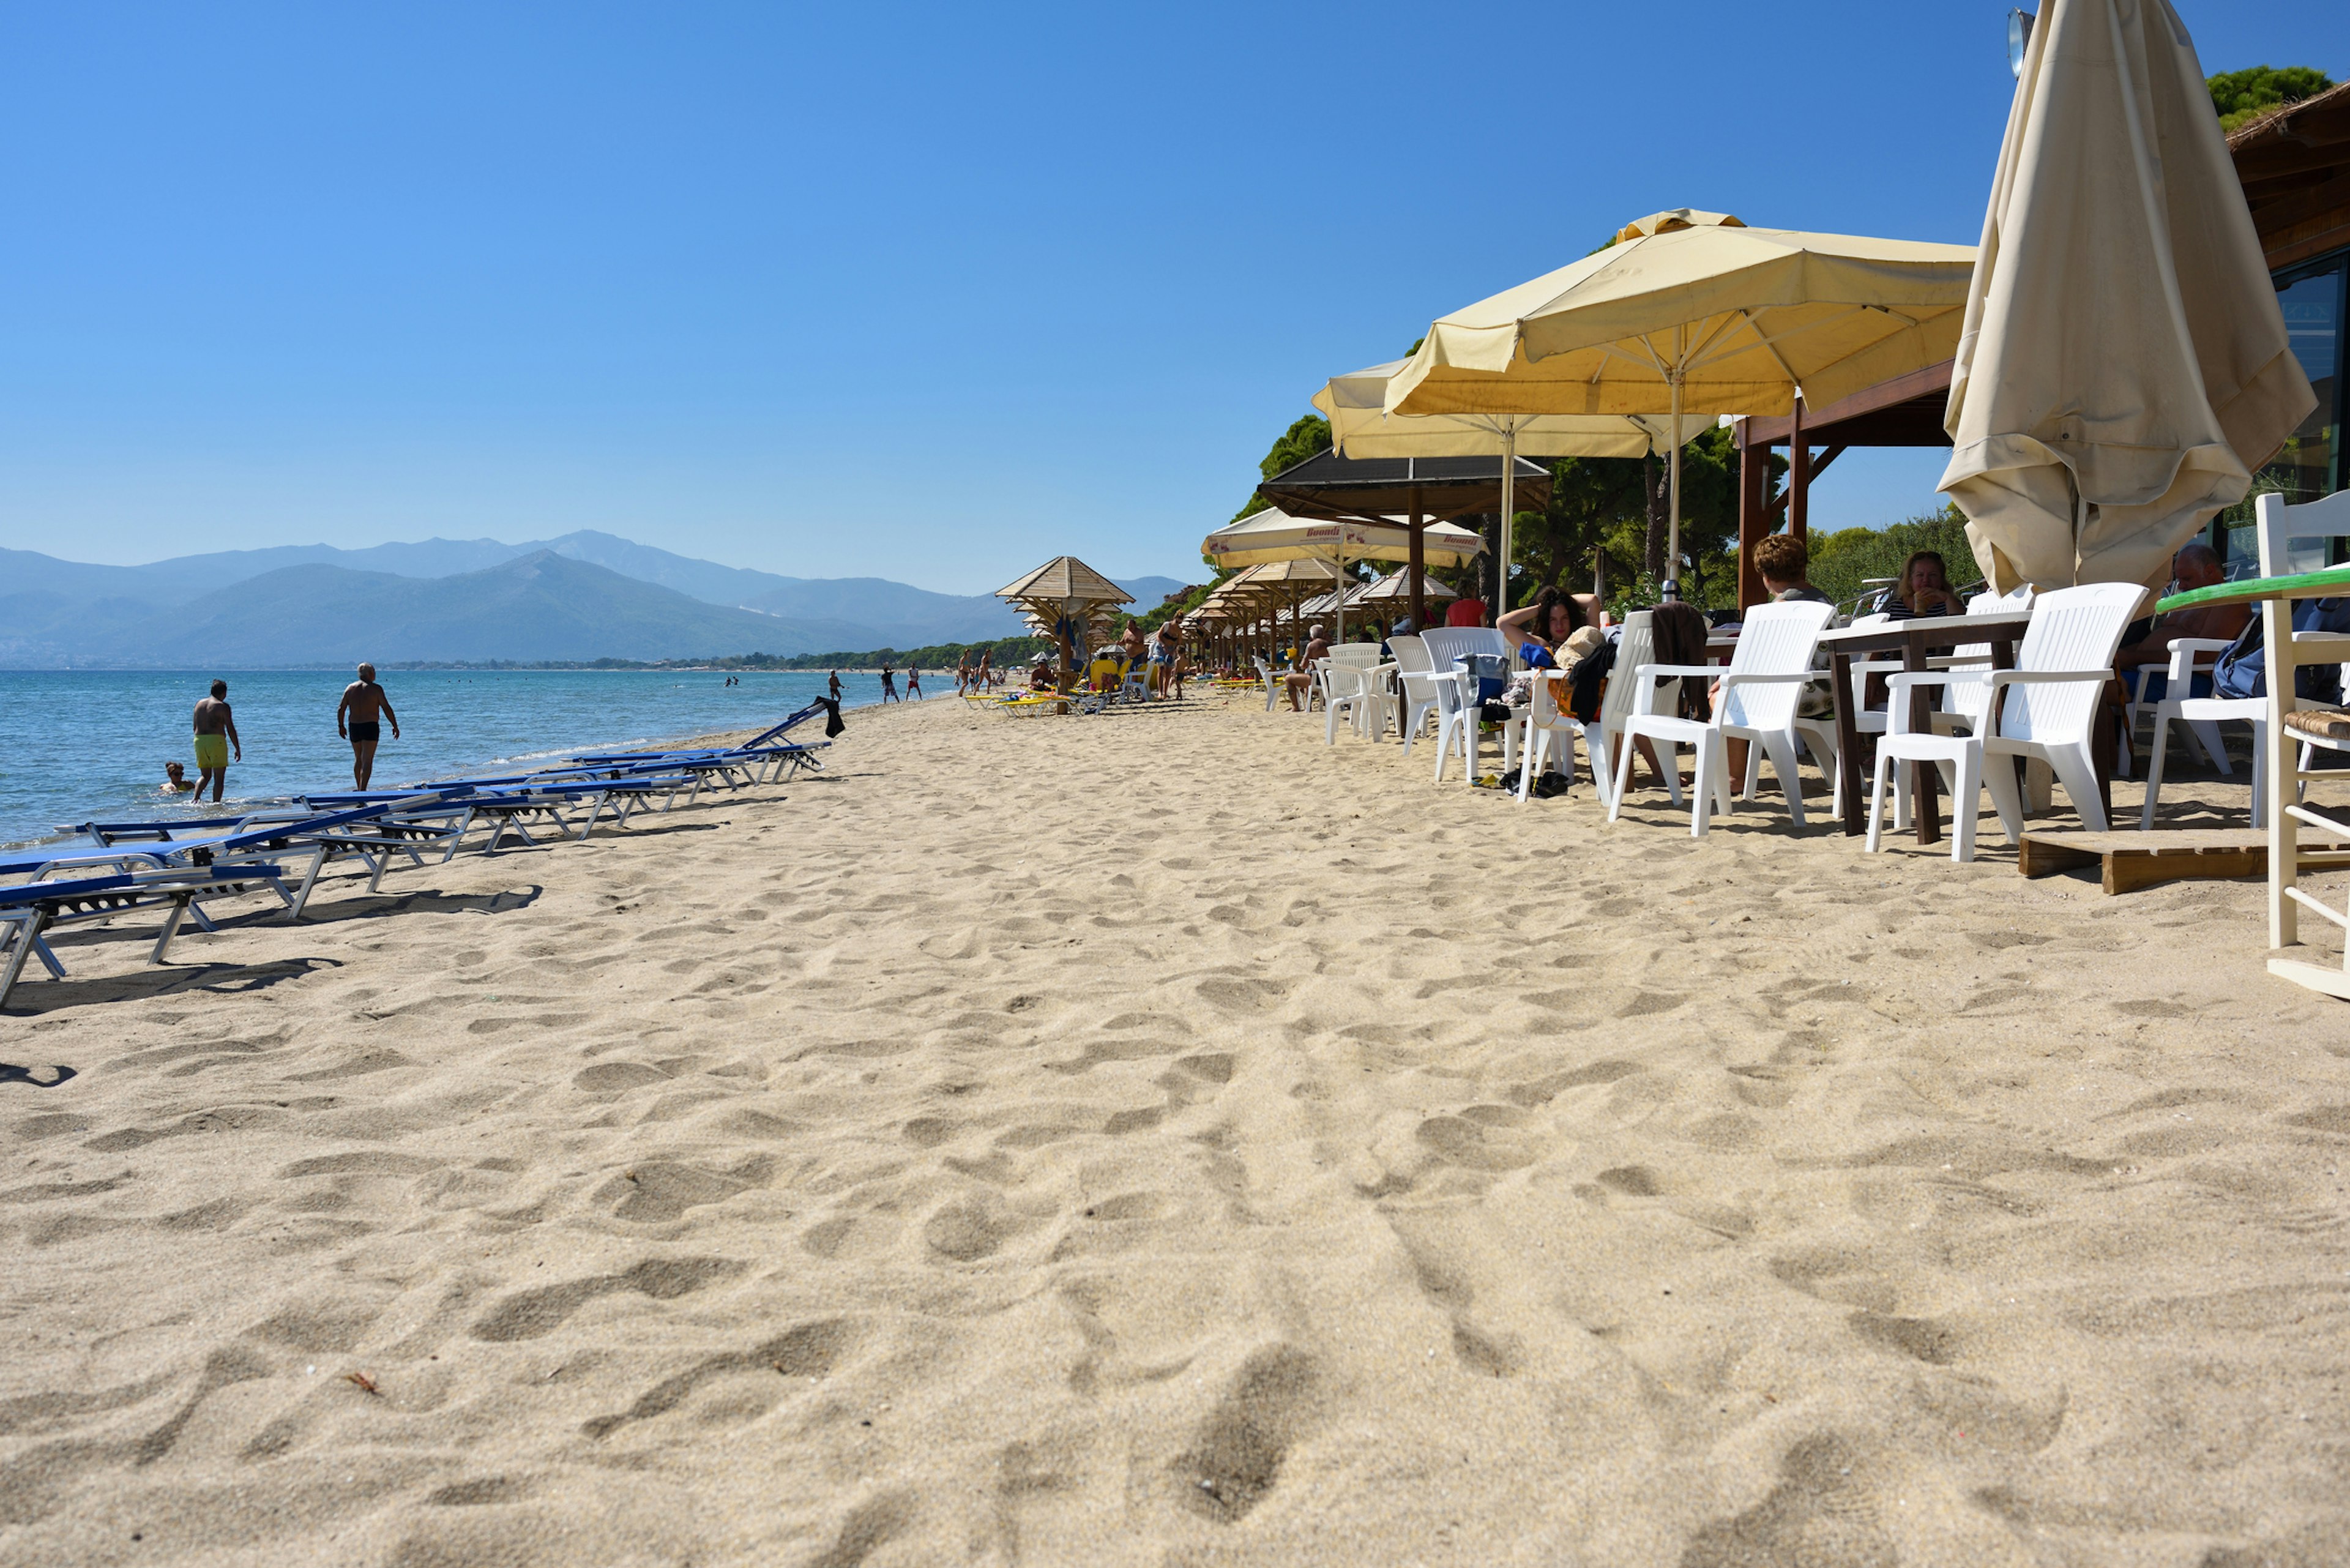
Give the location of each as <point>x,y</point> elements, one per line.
<point>365,706</point>
<point>175,779</point>
<point>1302,678</point>
<point>889,684</point>
<point>216,734</point>
<point>914,684</point>
<point>986,674</point>
<point>835,685</point>
<point>1467,610</point>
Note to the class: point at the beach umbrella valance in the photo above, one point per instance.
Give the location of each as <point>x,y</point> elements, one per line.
<point>2125,365</point>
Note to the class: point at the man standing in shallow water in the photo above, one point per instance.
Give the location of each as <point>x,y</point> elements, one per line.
<point>216,734</point>
<point>366,707</point>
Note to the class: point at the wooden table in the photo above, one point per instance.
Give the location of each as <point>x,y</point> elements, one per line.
<point>1917,641</point>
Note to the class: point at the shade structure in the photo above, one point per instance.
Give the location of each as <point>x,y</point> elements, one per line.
<point>1274,537</point>
<point>1395,589</point>
<point>1362,427</point>
<point>1064,589</point>
<point>1695,313</point>
<point>2125,365</point>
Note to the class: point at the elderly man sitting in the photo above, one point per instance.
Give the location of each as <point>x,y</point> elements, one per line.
<point>1302,678</point>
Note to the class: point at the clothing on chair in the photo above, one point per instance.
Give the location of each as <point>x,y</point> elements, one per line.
<point>1678,632</point>
<point>2242,669</point>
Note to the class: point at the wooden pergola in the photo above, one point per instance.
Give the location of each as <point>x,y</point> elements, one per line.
<point>1903,411</point>
<point>1416,490</point>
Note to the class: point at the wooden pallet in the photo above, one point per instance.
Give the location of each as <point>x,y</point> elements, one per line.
<point>2131,860</point>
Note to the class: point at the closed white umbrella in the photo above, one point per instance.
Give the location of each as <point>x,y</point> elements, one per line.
<point>2124,366</point>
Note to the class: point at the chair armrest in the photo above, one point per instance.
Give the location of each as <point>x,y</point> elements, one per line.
<point>1678,671</point>
<point>2046,677</point>
<point>1904,680</point>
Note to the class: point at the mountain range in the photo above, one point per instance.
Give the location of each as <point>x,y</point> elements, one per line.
<point>582,596</point>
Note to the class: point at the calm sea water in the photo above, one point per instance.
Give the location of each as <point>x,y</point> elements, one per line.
<point>83,745</point>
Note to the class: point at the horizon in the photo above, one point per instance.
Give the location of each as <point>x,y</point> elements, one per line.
<point>838,297</point>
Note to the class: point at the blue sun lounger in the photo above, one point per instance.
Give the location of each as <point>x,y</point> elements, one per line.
<point>764,758</point>
<point>28,911</point>
<point>373,832</point>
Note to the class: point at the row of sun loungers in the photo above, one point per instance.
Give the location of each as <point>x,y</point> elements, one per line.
<point>121,868</point>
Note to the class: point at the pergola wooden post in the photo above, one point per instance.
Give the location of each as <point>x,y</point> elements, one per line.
<point>1903,411</point>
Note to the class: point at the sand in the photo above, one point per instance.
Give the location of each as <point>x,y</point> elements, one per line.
<point>1162,1138</point>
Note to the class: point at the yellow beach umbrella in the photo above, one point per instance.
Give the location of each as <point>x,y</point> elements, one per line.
<point>2125,365</point>
<point>1273,537</point>
<point>1362,427</point>
<point>1695,313</point>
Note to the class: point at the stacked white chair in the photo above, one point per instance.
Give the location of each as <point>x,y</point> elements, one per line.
<point>1353,677</point>
<point>1758,694</point>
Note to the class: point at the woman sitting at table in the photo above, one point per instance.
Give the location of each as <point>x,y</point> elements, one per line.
<point>1924,588</point>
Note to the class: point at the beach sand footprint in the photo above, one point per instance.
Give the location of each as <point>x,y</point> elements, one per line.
<point>809,1350</point>
<point>533,1312</point>
<point>1235,1457</point>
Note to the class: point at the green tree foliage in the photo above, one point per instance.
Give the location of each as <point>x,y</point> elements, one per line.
<point>1843,560</point>
<point>1301,441</point>
<point>1605,528</point>
<point>2239,95</point>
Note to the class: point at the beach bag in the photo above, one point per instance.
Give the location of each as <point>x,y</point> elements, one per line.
<point>2242,670</point>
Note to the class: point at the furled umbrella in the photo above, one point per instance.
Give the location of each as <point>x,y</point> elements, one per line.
<point>1695,313</point>
<point>2125,365</point>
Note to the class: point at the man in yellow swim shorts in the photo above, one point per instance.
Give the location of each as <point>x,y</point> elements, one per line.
<point>216,734</point>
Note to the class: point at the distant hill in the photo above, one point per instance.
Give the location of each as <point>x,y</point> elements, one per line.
<point>55,612</point>
<point>540,606</point>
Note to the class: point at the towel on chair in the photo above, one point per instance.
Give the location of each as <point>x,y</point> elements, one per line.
<point>1678,632</point>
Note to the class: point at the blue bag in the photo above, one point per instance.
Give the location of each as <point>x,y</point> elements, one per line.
<point>2242,669</point>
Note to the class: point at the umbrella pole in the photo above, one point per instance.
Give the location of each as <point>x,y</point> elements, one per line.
<point>1673,487</point>
<point>1509,503</point>
<point>1417,564</point>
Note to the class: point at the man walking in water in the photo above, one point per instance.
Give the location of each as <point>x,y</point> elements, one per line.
<point>365,707</point>
<point>914,683</point>
<point>835,685</point>
<point>889,684</point>
<point>216,734</point>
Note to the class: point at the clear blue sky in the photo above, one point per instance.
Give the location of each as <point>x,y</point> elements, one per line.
<point>921,291</point>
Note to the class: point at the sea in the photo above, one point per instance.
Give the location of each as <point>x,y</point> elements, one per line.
<point>89,745</point>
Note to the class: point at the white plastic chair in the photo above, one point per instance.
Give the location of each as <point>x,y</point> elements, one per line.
<point>1456,718</point>
<point>1415,692</point>
<point>1272,682</point>
<point>2201,717</point>
<point>1350,680</point>
<point>2045,708</point>
<point>1759,692</point>
<point>1635,645</point>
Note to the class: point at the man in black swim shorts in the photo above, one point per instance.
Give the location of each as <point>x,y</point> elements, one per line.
<point>365,706</point>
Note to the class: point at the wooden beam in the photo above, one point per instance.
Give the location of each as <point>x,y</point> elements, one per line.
<point>1917,384</point>
<point>1753,520</point>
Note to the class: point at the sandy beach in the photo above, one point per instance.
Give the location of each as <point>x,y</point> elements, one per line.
<point>1160,1138</point>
